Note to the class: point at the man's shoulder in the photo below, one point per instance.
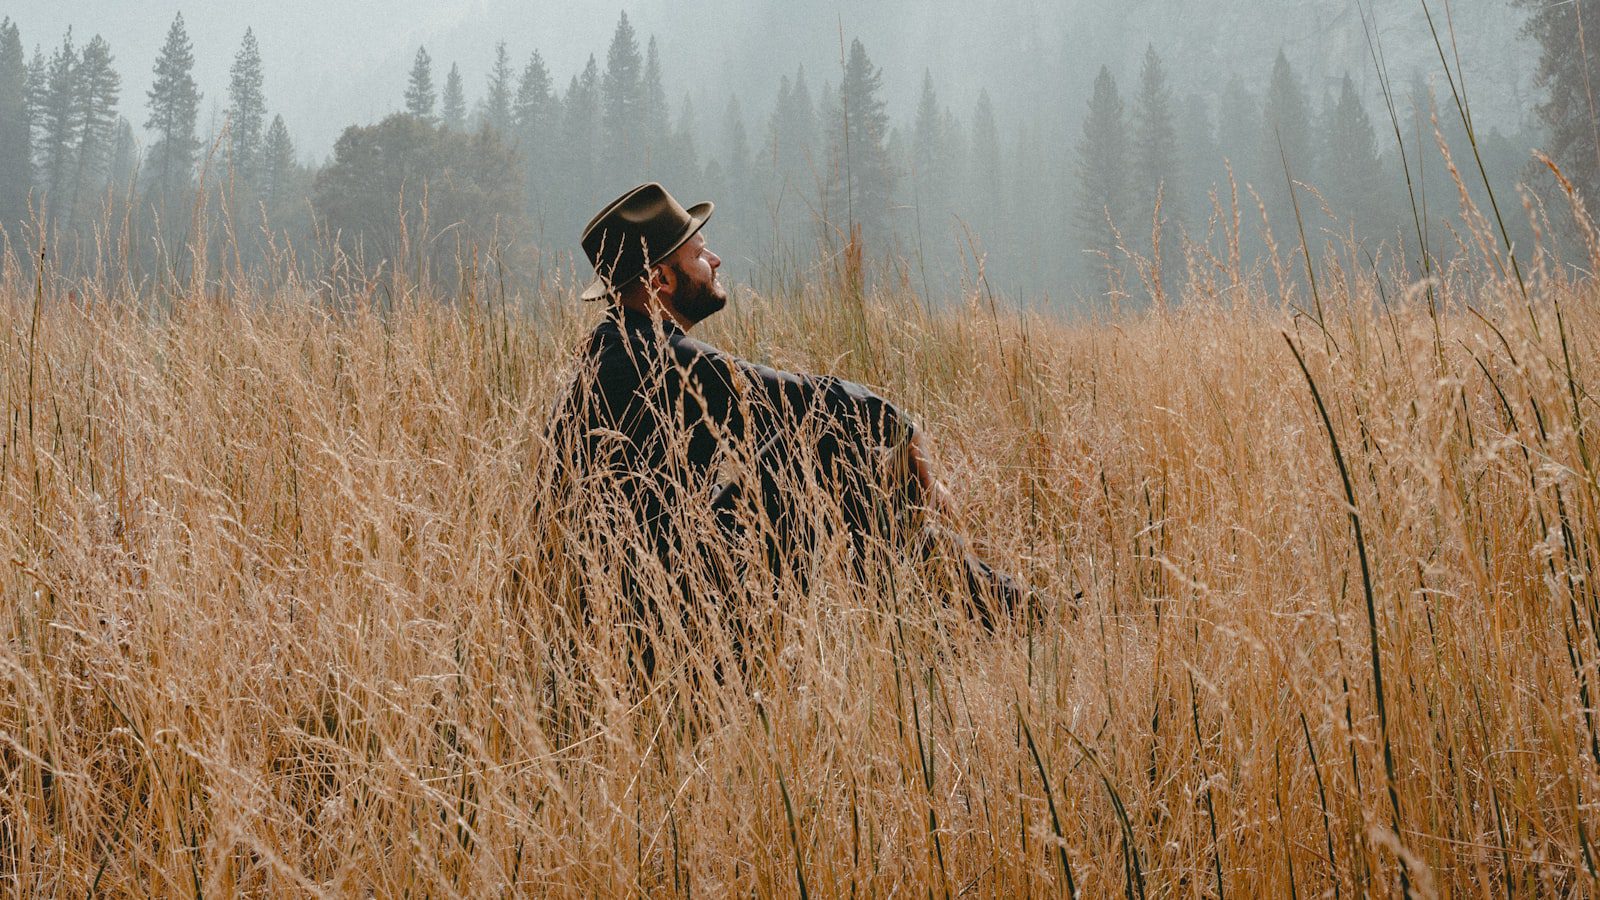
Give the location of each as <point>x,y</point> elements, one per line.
<point>610,343</point>
<point>689,350</point>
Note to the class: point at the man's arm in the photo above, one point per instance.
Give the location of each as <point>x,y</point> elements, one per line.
<point>720,378</point>
<point>935,495</point>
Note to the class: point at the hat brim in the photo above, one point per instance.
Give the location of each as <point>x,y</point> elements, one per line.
<point>699,215</point>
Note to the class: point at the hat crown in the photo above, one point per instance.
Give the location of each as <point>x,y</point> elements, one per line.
<point>634,232</point>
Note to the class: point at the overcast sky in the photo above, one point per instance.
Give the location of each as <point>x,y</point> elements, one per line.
<point>331,63</point>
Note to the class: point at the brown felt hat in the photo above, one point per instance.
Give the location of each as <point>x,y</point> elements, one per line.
<point>634,232</point>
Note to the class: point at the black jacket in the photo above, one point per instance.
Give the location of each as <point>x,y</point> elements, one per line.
<point>664,419</point>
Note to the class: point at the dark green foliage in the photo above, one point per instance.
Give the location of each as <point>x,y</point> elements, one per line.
<point>174,102</point>
<point>1035,198</point>
<point>277,165</point>
<point>931,161</point>
<point>656,117</point>
<point>1156,167</point>
<point>285,184</point>
<point>124,163</point>
<point>497,99</point>
<point>791,145</point>
<point>1103,196</point>
<point>57,123</point>
<point>420,97</point>
<point>1352,173</point>
<point>580,140</point>
<point>1287,117</point>
<point>247,110</point>
<point>16,130</point>
<point>534,106</point>
<point>861,178</point>
<point>472,184</point>
<point>98,88</point>
<point>1569,71</point>
<point>1285,137</point>
<point>454,113</point>
<point>622,106</point>
<point>685,158</point>
<point>536,120</point>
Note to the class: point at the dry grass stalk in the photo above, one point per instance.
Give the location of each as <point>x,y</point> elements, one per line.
<point>290,605</point>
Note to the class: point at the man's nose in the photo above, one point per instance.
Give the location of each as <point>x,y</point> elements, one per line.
<point>715,260</point>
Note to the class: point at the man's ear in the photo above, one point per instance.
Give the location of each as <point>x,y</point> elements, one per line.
<point>663,280</point>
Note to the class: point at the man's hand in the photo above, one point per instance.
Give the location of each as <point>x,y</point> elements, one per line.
<point>934,494</point>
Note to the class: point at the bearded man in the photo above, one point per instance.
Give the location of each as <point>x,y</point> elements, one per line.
<point>673,431</point>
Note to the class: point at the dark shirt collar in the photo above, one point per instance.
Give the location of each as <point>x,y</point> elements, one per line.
<point>630,319</point>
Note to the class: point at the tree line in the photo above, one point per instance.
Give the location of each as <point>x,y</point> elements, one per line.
<point>946,196</point>
<point>71,163</point>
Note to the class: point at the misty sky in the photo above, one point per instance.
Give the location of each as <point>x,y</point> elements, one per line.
<point>331,63</point>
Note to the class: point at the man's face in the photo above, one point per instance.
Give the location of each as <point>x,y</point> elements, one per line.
<point>698,293</point>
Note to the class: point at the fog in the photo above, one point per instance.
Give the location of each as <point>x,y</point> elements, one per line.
<point>327,66</point>
<point>332,64</point>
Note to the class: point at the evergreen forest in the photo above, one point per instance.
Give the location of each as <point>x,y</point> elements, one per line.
<point>948,199</point>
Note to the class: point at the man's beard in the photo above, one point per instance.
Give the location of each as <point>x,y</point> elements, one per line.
<point>696,302</point>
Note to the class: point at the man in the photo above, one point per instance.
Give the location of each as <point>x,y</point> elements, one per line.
<point>687,441</point>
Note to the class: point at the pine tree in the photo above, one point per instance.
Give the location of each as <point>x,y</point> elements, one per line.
<point>1571,78</point>
<point>1156,149</point>
<point>656,121</point>
<point>1351,167</point>
<point>772,155</point>
<point>454,113</point>
<point>1285,138</point>
<point>929,155</point>
<point>174,103</point>
<point>621,92</point>
<point>1288,114</point>
<point>829,165</point>
<point>685,151</point>
<point>1102,169</point>
<point>420,98</point>
<point>791,143</point>
<point>953,135</point>
<point>533,110</point>
<point>38,77</point>
<point>498,98</point>
<point>277,164</point>
<point>16,128</point>
<point>58,125</point>
<point>247,109</point>
<point>861,176</point>
<point>99,87</point>
<point>580,131</point>
<point>536,122</point>
<point>124,164</point>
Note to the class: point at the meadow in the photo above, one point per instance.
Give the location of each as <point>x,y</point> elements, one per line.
<point>288,606</point>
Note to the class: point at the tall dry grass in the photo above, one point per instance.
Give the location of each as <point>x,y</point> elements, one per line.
<point>289,604</point>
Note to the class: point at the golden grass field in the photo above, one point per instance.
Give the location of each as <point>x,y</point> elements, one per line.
<point>284,605</point>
